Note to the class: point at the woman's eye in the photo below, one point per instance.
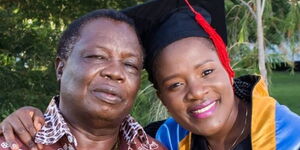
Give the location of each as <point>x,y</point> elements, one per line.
<point>175,85</point>
<point>207,72</point>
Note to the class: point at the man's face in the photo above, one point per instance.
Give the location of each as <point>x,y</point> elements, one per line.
<point>101,77</point>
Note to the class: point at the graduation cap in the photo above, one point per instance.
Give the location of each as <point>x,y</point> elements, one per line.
<point>162,22</point>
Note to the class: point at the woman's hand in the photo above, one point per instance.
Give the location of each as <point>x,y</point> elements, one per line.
<point>24,122</point>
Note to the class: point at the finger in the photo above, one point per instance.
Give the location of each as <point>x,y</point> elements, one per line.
<point>9,136</point>
<point>38,119</point>
<point>27,122</point>
<point>23,134</point>
<point>40,146</point>
<point>38,126</point>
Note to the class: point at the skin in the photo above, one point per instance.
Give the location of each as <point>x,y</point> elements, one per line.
<point>198,81</point>
<point>99,82</point>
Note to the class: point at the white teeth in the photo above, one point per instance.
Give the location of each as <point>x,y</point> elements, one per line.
<point>205,108</point>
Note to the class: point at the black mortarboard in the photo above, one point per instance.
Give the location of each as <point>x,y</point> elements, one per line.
<point>161,22</point>
<point>149,15</point>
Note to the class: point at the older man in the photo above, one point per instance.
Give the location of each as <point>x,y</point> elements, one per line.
<point>98,65</point>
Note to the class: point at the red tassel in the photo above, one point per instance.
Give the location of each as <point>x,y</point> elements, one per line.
<point>216,39</point>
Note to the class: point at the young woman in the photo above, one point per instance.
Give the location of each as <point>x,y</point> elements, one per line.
<point>188,65</point>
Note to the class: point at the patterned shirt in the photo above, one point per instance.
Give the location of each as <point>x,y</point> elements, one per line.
<point>56,135</point>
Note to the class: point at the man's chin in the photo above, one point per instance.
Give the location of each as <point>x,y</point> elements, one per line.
<point>109,117</point>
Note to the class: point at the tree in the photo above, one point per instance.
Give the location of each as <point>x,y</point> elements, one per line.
<point>264,22</point>
<point>257,9</point>
<point>291,26</point>
<point>29,32</point>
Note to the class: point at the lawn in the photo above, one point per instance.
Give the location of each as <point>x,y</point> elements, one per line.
<point>285,87</point>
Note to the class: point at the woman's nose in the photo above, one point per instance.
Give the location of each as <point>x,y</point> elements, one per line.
<point>196,91</point>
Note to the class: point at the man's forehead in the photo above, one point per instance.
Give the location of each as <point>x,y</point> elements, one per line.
<point>106,25</point>
<point>110,34</point>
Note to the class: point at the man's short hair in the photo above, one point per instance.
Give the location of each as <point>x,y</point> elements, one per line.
<point>72,34</point>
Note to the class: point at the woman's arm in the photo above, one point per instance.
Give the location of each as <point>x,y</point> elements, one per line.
<point>23,123</point>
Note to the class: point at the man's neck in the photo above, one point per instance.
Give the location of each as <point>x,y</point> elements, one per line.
<point>89,133</point>
<point>104,138</point>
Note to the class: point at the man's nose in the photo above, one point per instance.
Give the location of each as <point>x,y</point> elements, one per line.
<point>114,71</point>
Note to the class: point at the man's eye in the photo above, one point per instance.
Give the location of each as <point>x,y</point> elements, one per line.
<point>96,56</point>
<point>175,85</point>
<point>207,72</point>
<point>132,67</point>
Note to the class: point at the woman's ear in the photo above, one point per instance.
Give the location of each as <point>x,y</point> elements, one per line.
<point>59,67</point>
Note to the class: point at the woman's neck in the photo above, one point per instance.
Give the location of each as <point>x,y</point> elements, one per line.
<point>236,129</point>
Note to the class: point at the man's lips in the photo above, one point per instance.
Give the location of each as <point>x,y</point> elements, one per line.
<point>108,94</point>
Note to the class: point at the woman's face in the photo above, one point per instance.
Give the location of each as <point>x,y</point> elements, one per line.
<point>194,86</point>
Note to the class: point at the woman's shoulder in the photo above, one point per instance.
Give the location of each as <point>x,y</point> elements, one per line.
<point>169,132</point>
<point>152,128</point>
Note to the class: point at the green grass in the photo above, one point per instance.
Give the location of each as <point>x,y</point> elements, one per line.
<point>285,88</point>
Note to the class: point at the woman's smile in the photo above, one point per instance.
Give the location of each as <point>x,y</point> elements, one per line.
<point>203,110</point>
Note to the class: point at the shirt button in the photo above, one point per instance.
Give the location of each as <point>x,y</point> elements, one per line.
<point>70,139</point>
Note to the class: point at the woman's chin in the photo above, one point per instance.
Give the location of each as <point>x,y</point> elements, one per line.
<point>207,129</point>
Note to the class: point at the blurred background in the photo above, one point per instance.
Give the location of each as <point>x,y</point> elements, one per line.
<point>29,31</point>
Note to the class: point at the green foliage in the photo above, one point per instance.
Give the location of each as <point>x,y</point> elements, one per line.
<point>241,29</point>
<point>148,107</point>
<point>281,24</point>
<point>29,32</point>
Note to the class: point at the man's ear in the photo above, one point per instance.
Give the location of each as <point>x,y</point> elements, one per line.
<point>59,67</point>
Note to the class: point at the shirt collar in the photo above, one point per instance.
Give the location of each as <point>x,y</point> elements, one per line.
<point>55,128</point>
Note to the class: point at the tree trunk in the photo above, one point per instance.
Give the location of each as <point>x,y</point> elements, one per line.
<point>260,41</point>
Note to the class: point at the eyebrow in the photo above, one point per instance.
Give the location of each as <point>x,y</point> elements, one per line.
<point>132,55</point>
<point>197,66</point>
<point>202,63</point>
<point>127,54</point>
